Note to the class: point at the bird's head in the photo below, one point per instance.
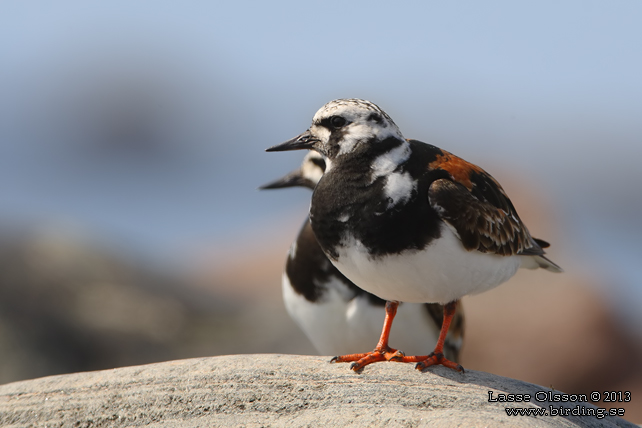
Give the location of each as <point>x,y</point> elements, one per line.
<point>343,127</point>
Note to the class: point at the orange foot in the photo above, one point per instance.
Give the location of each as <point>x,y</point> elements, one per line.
<point>362,360</point>
<point>434,359</point>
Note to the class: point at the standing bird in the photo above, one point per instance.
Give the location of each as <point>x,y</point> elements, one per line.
<point>337,316</point>
<point>408,221</point>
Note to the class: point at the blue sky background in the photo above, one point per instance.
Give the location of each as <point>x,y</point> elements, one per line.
<point>143,124</point>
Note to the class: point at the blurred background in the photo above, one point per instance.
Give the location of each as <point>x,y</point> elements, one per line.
<point>132,139</point>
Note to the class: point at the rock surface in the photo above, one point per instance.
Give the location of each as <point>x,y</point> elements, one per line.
<point>277,390</point>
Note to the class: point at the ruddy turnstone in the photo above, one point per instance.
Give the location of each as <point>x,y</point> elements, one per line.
<point>408,221</point>
<point>337,316</point>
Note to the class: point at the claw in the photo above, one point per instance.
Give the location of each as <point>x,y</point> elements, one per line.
<point>396,356</point>
<point>359,361</point>
<point>438,359</point>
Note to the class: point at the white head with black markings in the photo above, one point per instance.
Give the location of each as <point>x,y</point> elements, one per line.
<point>343,127</point>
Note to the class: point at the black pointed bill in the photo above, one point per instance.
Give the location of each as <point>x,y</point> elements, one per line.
<point>293,179</point>
<point>300,142</point>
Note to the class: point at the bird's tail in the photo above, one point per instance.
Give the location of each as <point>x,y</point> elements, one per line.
<point>534,262</point>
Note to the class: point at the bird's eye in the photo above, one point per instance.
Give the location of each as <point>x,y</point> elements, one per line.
<point>337,122</point>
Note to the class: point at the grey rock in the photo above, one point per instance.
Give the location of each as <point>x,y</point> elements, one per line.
<point>277,390</point>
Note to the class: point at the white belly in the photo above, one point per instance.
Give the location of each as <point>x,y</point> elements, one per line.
<point>337,326</point>
<point>442,272</point>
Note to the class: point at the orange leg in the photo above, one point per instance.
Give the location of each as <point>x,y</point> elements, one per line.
<point>437,356</point>
<point>382,351</point>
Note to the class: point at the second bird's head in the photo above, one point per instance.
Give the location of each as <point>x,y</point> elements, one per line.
<point>308,175</point>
